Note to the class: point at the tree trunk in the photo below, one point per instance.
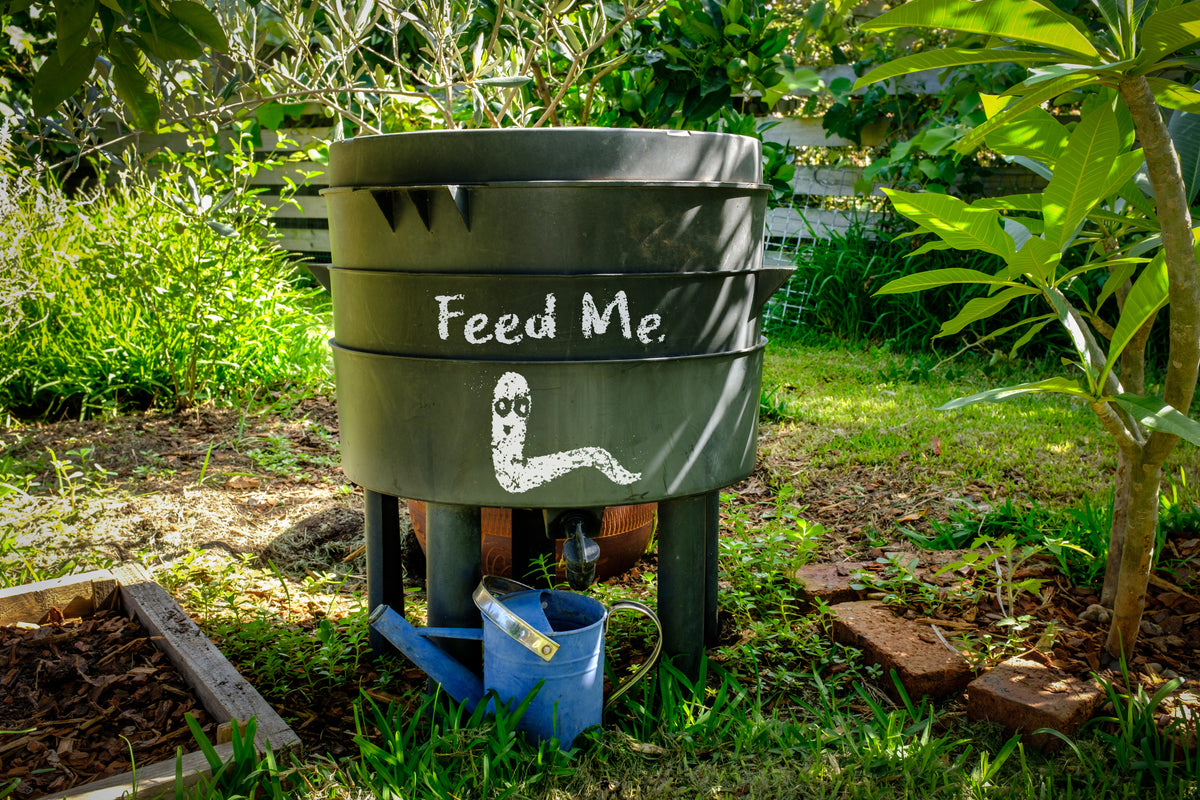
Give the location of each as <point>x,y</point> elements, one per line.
<point>1183,363</point>
<point>1140,527</point>
<point>1120,524</point>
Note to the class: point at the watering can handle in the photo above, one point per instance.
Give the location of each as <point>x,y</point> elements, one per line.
<point>532,640</point>
<point>647,612</point>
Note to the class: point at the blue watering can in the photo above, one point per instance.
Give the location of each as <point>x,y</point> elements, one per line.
<point>530,636</point>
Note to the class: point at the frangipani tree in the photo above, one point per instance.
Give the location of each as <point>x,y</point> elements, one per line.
<point>1146,245</point>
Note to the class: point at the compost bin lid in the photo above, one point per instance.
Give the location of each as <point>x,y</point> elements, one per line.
<point>543,154</point>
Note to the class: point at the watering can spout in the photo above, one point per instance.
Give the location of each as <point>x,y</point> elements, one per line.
<point>459,682</point>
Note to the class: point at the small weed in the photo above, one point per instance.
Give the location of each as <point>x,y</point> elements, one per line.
<point>1138,746</point>
<point>773,405</point>
<point>441,750</point>
<point>1077,538</point>
<point>245,774</point>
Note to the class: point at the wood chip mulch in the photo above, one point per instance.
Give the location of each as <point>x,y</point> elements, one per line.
<point>77,695</point>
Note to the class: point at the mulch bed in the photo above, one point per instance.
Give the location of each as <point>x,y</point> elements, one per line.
<point>78,695</point>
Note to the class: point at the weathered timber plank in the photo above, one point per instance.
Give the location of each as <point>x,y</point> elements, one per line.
<point>74,595</point>
<point>221,688</point>
<point>304,240</point>
<point>153,780</point>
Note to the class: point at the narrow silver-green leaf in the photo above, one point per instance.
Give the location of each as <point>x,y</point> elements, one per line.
<point>956,222</point>
<point>1021,20</point>
<point>934,278</point>
<point>1148,295</point>
<point>1058,385</point>
<point>1157,415</point>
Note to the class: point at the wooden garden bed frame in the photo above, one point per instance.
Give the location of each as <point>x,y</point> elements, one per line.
<point>223,692</point>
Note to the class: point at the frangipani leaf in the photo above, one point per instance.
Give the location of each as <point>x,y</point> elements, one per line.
<point>1185,133</point>
<point>1155,414</point>
<point>950,57</point>
<point>956,222</point>
<point>1058,385</point>
<point>1174,95</point>
<point>982,308</point>
<point>1038,260</point>
<point>1033,98</point>
<point>1148,295</point>
<point>1080,175</point>
<point>1035,134</point>
<point>1167,31</point>
<point>934,278</point>
<point>930,246</point>
<point>1020,20</point>
<point>1072,322</point>
<point>1030,203</point>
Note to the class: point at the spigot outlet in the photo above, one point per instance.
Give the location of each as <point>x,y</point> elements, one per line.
<point>580,553</point>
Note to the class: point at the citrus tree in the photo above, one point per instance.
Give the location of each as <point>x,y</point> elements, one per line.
<point>1138,247</point>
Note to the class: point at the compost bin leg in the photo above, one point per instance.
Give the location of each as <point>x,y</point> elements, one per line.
<point>530,547</point>
<point>682,580</point>
<point>712,531</point>
<point>385,557</point>
<point>452,549</point>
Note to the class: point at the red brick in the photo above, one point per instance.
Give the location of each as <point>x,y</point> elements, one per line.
<point>830,583</point>
<point>1025,695</point>
<point>925,666</point>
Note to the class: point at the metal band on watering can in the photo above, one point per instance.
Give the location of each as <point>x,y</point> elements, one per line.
<point>645,611</point>
<point>534,641</point>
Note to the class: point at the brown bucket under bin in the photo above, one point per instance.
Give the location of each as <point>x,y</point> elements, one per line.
<point>624,535</point>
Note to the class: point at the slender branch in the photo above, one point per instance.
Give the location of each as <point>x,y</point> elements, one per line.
<point>630,15</point>
<point>591,90</point>
<point>1128,441</point>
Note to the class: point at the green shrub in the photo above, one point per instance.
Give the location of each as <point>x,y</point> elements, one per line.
<point>165,291</point>
<point>831,294</point>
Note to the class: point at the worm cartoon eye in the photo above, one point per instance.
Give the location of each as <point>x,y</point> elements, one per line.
<point>521,406</point>
<point>503,406</point>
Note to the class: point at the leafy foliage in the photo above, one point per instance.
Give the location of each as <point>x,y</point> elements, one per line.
<point>835,291</point>
<point>1123,70</point>
<point>163,292</point>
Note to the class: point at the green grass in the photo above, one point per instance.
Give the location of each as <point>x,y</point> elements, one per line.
<point>845,406</point>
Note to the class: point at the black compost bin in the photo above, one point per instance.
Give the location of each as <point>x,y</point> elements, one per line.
<point>548,319</point>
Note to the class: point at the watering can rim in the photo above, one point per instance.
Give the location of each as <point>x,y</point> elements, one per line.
<point>495,611</point>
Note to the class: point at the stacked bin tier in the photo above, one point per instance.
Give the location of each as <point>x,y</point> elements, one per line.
<point>607,282</point>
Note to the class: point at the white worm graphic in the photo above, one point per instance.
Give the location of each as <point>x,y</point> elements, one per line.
<point>518,473</point>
